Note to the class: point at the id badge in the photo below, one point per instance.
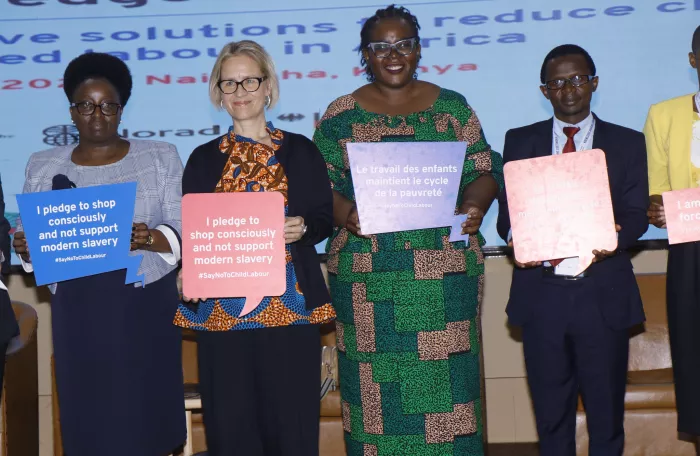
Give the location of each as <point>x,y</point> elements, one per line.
<point>567,267</point>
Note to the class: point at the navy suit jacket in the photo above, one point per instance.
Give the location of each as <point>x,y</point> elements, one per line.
<point>625,153</point>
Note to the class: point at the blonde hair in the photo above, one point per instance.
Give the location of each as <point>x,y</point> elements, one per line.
<point>258,54</point>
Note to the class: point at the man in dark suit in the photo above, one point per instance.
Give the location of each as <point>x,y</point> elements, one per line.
<point>576,329</point>
<point>8,324</point>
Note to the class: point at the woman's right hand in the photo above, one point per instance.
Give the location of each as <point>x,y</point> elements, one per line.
<point>19,243</point>
<point>353,223</point>
<point>657,215</point>
<point>179,290</point>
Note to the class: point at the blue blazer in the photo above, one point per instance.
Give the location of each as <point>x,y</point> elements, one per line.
<point>625,153</point>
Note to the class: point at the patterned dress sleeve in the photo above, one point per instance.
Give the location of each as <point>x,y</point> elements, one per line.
<point>330,138</point>
<point>480,159</point>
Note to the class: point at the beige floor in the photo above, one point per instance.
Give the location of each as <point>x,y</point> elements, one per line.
<point>509,413</point>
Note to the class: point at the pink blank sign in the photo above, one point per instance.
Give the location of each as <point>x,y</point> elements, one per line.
<point>233,246</point>
<point>560,207</point>
<point>682,209</point>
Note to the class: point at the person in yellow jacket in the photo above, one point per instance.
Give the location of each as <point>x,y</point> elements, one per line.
<point>672,133</point>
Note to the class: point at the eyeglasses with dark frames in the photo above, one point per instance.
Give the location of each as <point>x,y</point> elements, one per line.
<point>404,47</point>
<point>229,86</point>
<point>86,108</point>
<point>575,81</point>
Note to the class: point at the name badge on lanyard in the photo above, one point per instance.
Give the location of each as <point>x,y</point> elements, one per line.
<point>557,150</point>
<point>568,266</point>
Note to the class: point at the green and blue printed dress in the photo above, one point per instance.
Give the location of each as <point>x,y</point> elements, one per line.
<point>407,303</point>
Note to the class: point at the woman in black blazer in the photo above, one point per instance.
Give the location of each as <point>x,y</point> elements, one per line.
<point>259,374</point>
<point>8,324</point>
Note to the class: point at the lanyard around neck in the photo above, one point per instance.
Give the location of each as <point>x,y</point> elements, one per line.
<point>583,143</point>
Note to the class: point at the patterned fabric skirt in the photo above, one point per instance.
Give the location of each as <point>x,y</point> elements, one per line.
<point>409,348</point>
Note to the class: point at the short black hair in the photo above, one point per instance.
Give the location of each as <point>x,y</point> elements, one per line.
<point>390,12</point>
<point>97,65</point>
<point>561,51</point>
<point>695,45</point>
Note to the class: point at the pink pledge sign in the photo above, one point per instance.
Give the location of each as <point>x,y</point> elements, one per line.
<point>560,207</point>
<point>682,208</point>
<point>233,246</point>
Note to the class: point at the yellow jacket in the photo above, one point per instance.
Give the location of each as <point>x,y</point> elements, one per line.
<point>668,131</point>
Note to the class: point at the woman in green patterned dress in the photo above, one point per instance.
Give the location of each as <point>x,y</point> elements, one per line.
<point>407,302</point>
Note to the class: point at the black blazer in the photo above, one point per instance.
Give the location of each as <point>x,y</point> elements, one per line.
<point>625,153</point>
<point>4,234</point>
<point>309,196</point>
<point>8,324</point>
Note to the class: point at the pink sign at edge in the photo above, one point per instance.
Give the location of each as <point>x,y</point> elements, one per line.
<point>682,223</point>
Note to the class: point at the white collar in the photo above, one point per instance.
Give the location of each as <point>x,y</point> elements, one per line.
<point>583,125</point>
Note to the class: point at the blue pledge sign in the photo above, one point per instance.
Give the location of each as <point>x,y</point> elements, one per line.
<point>80,232</point>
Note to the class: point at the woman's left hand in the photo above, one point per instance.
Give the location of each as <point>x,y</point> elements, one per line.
<point>294,229</point>
<point>139,236</point>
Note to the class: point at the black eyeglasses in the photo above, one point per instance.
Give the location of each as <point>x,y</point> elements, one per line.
<point>575,81</point>
<point>86,108</point>
<point>403,47</point>
<point>249,85</point>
